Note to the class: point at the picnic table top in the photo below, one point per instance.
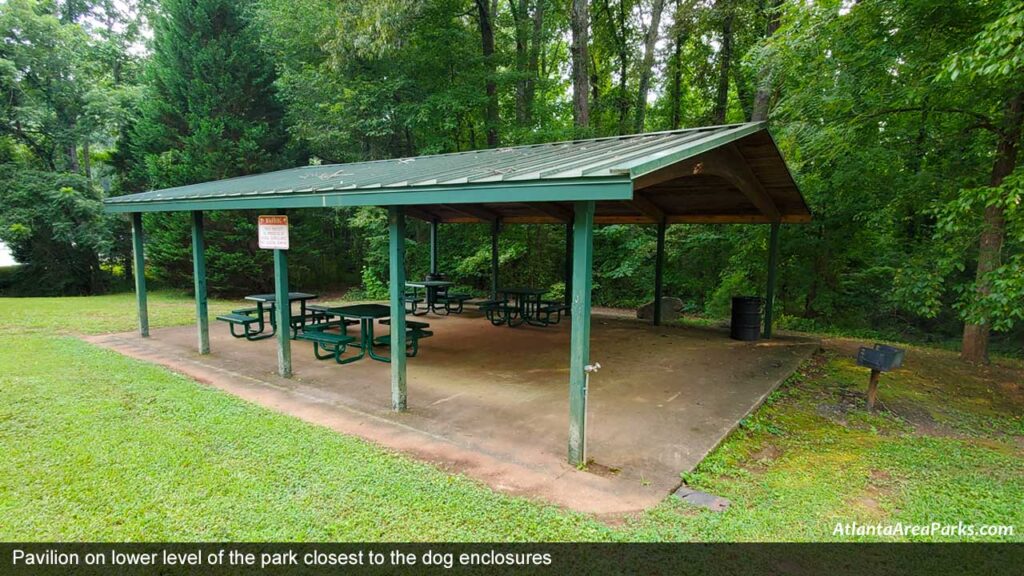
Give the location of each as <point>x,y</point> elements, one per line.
<point>523,290</point>
<point>292,296</point>
<point>362,311</point>
<point>428,283</point>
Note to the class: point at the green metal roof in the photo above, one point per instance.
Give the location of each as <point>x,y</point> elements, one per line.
<point>597,169</point>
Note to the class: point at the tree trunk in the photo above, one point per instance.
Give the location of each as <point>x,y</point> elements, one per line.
<point>580,24</point>
<point>990,244</point>
<point>520,22</point>
<point>676,92</point>
<point>624,68</point>
<point>763,95</point>
<point>72,151</point>
<point>532,62</point>
<point>86,160</point>
<point>648,65</point>
<point>487,42</point>
<point>724,61</point>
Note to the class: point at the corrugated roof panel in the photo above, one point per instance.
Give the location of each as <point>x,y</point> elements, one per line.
<point>579,159</point>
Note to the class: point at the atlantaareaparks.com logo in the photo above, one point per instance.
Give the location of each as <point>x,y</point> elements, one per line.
<point>900,529</point>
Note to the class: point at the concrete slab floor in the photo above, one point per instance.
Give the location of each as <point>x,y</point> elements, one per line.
<point>492,402</point>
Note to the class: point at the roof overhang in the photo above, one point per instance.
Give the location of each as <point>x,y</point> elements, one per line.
<point>722,174</point>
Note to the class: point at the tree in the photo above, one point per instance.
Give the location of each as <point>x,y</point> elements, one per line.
<point>580,24</point>
<point>646,67</point>
<point>485,16</point>
<point>55,227</point>
<point>762,97</point>
<point>996,56</point>
<point>211,113</point>
<point>725,55</point>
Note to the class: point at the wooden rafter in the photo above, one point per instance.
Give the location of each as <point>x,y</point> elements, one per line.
<point>473,210</point>
<point>646,207</point>
<point>551,210</point>
<point>421,213</point>
<point>725,162</point>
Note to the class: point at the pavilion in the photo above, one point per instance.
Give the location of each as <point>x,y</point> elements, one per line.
<point>718,174</point>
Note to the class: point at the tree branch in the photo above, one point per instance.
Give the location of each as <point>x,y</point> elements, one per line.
<point>983,121</point>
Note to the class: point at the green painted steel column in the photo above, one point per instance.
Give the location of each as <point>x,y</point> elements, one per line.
<point>568,267</point>
<point>495,230</point>
<point>140,273</point>
<point>659,271</point>
<point>396,264</point>
<point>579,341</point>
<point>434,225</point>
<point>773,264</point>
<point>283,310</point>
<point>199,277</point>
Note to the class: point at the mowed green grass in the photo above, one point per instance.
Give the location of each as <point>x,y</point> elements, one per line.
<point>102,447</point>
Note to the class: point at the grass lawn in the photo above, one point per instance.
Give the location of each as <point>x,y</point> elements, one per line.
<point>101,447</point>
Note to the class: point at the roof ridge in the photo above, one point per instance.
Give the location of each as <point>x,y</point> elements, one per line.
<point>538,145</point>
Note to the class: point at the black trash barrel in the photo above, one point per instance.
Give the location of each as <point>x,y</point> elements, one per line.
<point>746,318</point>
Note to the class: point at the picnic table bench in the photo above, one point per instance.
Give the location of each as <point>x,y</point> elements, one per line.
<point>414,332</point>
<point>334,344</point>
<point>265,305</point>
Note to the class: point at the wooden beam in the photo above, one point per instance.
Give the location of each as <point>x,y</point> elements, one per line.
<point>473,210</point>
<point>748,182</point>
<point>551,210</point>
<point>647,208</point>
<point>421,213</point>
<point>702,219</point>
<point>531,219</point>
<point>725,162</point>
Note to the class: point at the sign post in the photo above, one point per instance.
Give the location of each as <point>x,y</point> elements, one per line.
<point>273,235</point>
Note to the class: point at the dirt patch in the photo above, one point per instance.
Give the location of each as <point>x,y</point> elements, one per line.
<point>602,470</point>
<point>921,419</point>
<point>761,459</point>
<point>844,402</point>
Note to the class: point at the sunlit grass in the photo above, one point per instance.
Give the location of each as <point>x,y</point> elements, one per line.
<point>101,447</point>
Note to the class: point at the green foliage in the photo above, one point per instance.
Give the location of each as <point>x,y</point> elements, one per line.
<point>54,226</point>
<point>373,287</point>
<point>211,113</point>
<point>890,137</point>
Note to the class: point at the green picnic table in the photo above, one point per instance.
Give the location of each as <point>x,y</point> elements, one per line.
<point>366,314</point>
<point>431,288</point>
<point>297,322</point>
<point>516,305</point>
<point>247,317</point>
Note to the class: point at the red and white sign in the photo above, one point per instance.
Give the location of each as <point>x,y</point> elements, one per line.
<point>273,232</point>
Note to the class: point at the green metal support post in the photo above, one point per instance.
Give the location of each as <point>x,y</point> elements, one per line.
<point>495,230</point>
<point>579,340</point>
<point>434,225</point>
<point>283,309</point>
<point>396,264</point>
<point>140,273</point>
<point>773,263</point>
<point>659,271</point>
<point>199,277</point>
<point>568,268</point>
